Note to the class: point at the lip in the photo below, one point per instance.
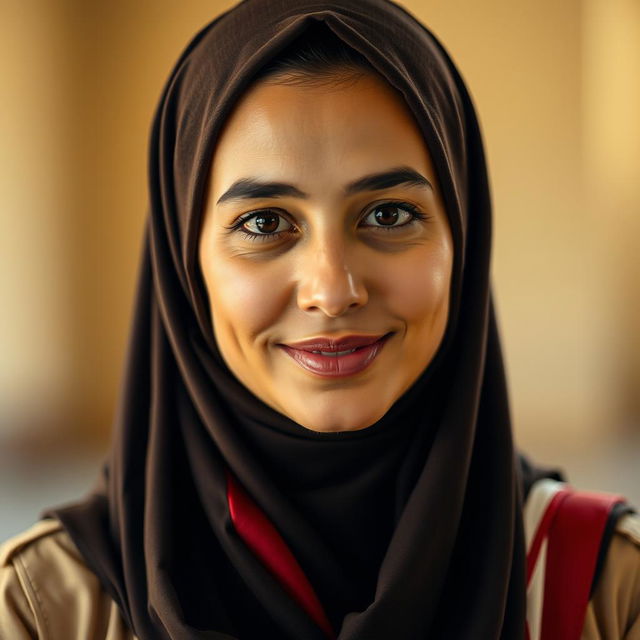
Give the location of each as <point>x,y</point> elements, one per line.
<point>335,344</point>
<point>363,351</point>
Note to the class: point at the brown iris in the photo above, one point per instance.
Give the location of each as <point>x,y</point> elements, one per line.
<point>267,222</point>
<point>386,216</point>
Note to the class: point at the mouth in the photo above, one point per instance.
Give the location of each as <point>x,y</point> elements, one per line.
<point>336,358</point>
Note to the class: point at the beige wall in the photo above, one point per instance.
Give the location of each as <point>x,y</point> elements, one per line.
<point>556,85</point>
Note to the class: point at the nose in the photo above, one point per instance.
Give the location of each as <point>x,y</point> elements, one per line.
<point>329,282</point>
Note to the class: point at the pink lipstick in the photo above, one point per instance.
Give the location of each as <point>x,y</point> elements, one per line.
<point>336,358</point>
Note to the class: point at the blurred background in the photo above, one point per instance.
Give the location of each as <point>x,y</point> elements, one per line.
<point>557,87</point>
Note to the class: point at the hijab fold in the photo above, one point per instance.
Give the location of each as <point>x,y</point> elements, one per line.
<point>411,528</point>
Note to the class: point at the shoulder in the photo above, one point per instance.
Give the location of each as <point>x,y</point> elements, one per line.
<point>48,592</point>
<point>629,529</point>
<point>614,610</point>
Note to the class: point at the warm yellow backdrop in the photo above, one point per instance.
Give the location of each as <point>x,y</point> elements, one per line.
<point>558,92</point>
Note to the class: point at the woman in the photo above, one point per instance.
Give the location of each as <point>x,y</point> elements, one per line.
<point>313,439</point>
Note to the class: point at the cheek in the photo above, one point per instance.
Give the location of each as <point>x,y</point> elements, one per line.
<point>245,298</point>
<point>418,286</point>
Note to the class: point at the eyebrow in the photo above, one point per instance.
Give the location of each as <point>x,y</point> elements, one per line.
<point>251,188</point>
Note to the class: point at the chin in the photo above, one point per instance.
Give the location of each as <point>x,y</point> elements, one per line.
<point>344,419</point>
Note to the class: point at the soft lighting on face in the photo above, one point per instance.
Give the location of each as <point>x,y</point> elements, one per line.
<point>326,251</point>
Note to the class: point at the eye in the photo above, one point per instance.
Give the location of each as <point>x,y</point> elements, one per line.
<point>391,215</point>
<point>263,223</point>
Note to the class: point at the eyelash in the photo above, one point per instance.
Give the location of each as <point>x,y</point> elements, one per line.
<point>416,214</point>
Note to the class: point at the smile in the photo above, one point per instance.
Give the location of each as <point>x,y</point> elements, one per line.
<point>332,358</point>
<point>334,355</point>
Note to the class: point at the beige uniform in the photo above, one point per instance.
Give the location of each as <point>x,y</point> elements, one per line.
<point>48,593</point>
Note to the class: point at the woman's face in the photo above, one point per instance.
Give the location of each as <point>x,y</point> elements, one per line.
<point>326,250</point>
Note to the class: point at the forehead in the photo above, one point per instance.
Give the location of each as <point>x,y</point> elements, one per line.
<point>304,130</point>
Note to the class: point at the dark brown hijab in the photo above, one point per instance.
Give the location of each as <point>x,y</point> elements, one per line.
<point>409,529</point>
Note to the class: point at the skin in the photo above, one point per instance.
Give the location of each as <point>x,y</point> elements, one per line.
<point>333,269</point>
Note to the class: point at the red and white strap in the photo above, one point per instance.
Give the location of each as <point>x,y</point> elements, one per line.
<point>563,530</point>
